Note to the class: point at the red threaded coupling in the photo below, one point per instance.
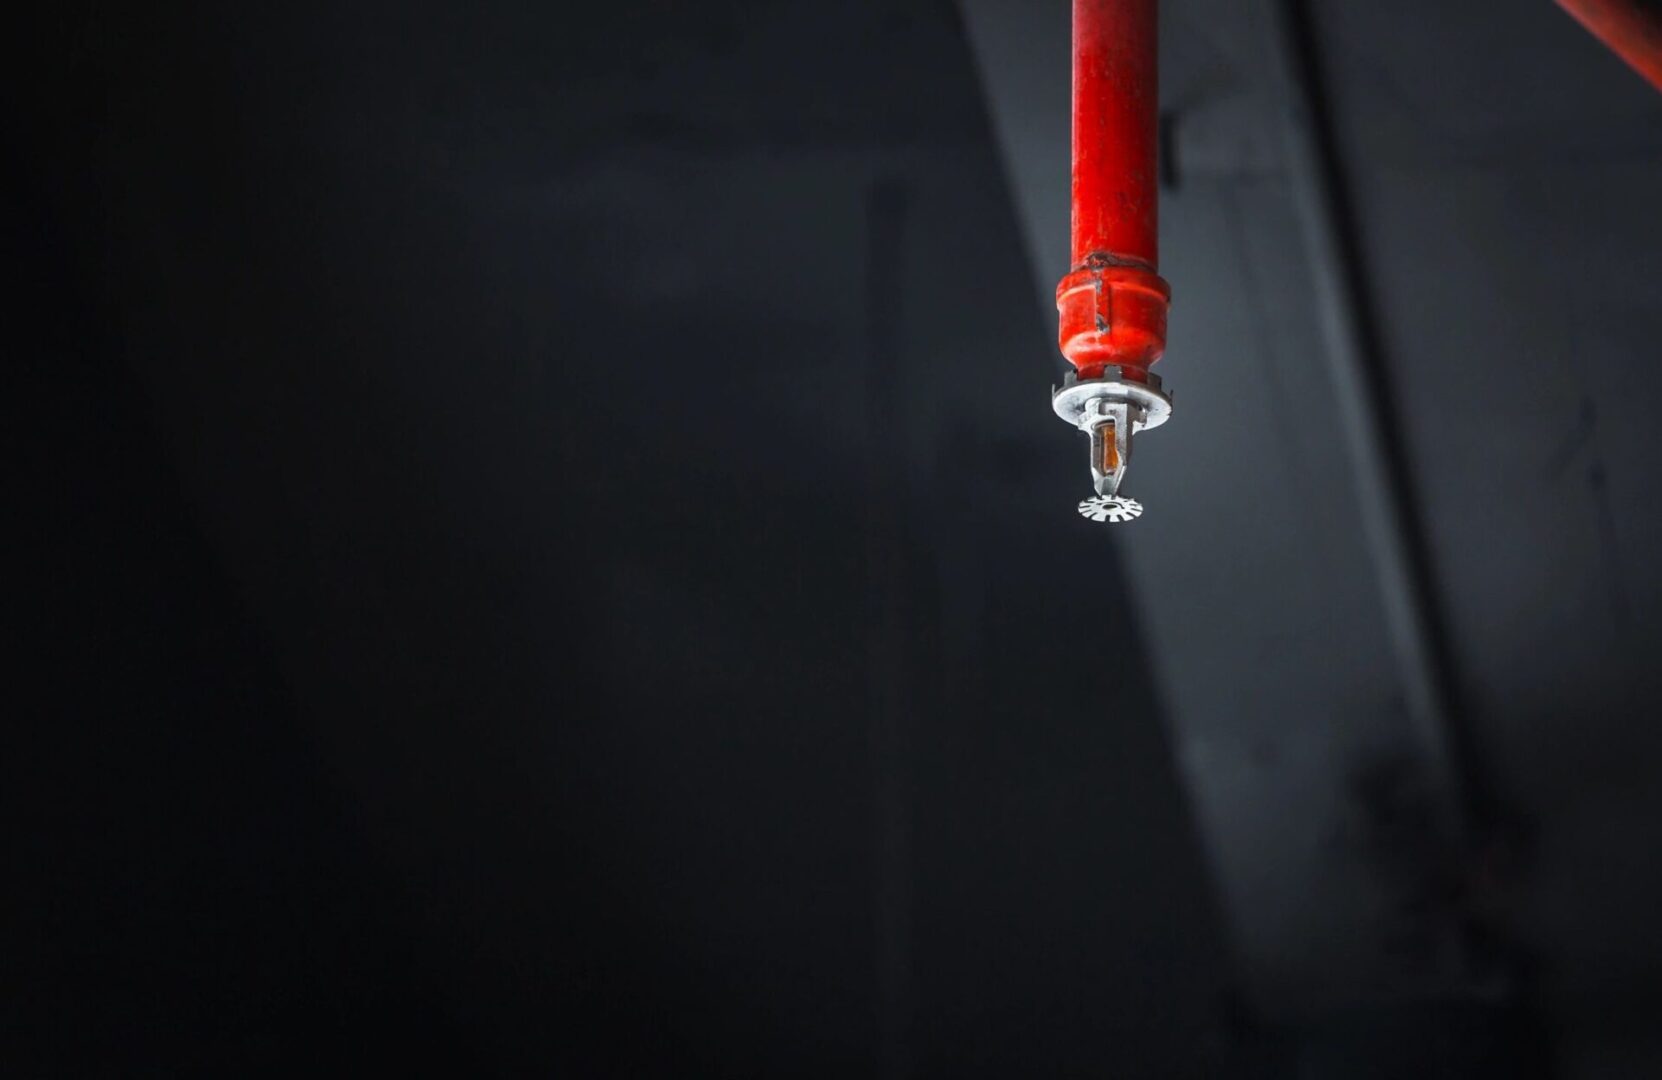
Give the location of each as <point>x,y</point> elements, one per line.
<point>1112,315</point>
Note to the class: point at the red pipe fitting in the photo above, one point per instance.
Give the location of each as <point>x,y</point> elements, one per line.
<point>1112,304</point>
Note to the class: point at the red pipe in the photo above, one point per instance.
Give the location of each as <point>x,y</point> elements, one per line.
<point>1631,28</point>
<point>1112,304</point>
<point>1114,101</point>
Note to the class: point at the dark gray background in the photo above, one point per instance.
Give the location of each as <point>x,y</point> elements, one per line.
<point>545,550</point>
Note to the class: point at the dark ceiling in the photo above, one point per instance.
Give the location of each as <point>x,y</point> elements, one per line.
<point>545,550</point>
<point>1501,171</point>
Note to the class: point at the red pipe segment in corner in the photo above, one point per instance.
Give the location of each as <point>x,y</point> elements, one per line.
<point>1632,29</point>
<point>1112,304</point>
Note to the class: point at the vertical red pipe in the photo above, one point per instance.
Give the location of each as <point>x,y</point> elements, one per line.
<point>1115,87</point>
<point>1631,29</point>
<point>1112,304</point>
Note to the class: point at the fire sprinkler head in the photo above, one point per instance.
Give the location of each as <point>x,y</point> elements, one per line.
<point>1110,410</point>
